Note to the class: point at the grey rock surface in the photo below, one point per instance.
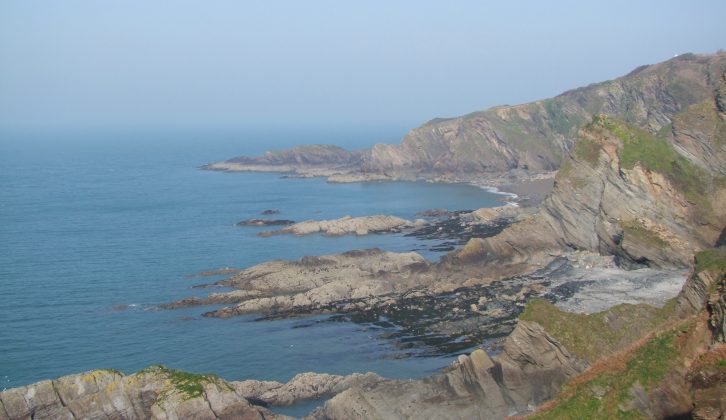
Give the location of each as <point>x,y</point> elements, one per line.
<point>344,226</point>
<point>155,393</point>
<point>530,370</point>
<point>303,386</point>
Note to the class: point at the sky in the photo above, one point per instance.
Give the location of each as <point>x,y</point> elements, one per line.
<point>205,64</point>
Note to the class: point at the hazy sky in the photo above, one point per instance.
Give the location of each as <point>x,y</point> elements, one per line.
<point>239,63</point>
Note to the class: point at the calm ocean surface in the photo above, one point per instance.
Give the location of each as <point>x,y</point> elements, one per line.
<point>90,221</point>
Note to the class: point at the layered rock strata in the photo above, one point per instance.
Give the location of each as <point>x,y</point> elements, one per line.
<point>345,226</point>
<point>154,393</point>
<point>521,141</point>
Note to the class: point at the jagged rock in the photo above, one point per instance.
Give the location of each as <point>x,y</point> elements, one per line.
<point>344,226</point>
<point>155,393</point>
<point>607,201</point>
<point>530,370</point>
<point>435,213</point>
<point>312,282</point>
<point>303,386</point>
<point>490,214</point>
<point>652,363</point>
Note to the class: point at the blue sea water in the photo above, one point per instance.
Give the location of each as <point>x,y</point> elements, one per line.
<point>97,228</point>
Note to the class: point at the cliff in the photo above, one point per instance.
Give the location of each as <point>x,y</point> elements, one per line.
<point>647,199</point>
<point>521,140</point>
<point>678,370</point>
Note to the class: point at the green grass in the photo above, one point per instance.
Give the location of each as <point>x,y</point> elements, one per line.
<point>712,259</point>
<point>587,150</point>
<point>608,395</point>
<point>560,121</point>
<point>659,156</point>
<point>191,385</point>
<point>665,131</point>
<point>636,230</point>
<point>593,336</point>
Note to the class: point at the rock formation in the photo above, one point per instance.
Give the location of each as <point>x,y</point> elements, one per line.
<point>624,192</point>
<point>522,140</point>
<point>154,393</point>
<point>676,370</point>
<point>549,347</point>
<point>314,282</point>
<point>303,386</point>
<point>530,371</point>
<point>345,226</point>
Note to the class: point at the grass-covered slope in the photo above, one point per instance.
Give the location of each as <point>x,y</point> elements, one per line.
<point>646,363</point>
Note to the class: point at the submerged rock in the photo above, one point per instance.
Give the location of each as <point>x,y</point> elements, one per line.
<point>265,222</point>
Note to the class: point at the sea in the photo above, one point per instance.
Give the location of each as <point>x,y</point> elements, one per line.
<point>99,227</point>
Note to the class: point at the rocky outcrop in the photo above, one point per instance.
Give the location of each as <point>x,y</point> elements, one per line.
<point>301,159</point>
<point>303,386</point>
<point>535,137</point>
<point>708,385</point>
<point>549,347</point>
<point>621,192</point>
<point>529,371</point>
<point>424,310</point>
<point>493,214</point>
<point>312,283</point>
<point>345,226</point>
<point>154,393</point>
<point>674,371</point>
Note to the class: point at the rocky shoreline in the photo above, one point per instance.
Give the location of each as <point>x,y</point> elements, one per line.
<point>346,225</point>
<point>402,298</point>
<point>598,283</point>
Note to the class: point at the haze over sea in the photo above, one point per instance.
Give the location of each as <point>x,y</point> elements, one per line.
<point>97,228</point>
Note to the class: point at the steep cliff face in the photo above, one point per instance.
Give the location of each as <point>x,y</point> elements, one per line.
<point>625,192</point>
<point>678,370</point>
<point>535,137</point>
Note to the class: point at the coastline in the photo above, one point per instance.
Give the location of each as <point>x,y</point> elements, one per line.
<point>516,188</point>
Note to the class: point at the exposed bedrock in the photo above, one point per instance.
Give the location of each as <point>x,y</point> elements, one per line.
<point>614,195</point>
<point>303,386</point>
<point>529,371</point>
<point>154,393</point>
<point>522,140</point>
<point>345,226</point>
<point>548,347</point>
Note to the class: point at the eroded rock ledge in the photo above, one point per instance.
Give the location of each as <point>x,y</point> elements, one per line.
<point>548,347</point>
<point>154,393</point>
<point>423,310</point>
<point>345,226</point>
<point>303,386</point>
